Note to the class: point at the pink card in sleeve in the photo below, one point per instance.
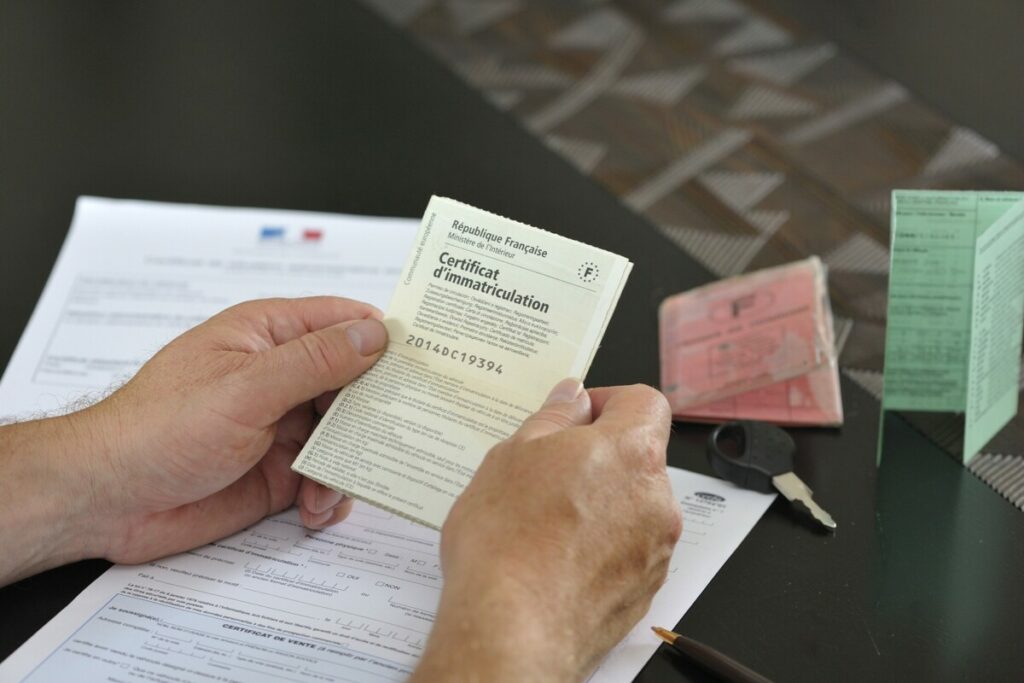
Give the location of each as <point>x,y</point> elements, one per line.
<point>757,346</point>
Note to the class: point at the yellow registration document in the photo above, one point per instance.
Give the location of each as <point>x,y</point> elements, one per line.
<point>488,315</point>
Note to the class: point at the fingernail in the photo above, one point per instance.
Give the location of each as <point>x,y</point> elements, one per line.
<point>565,391</point>
<point>367,336</point>
<point>321,518</point>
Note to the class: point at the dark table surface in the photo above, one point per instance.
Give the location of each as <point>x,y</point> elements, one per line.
<point>322,106</point>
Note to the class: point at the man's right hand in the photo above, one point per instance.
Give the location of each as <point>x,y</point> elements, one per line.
<point>560,541</point>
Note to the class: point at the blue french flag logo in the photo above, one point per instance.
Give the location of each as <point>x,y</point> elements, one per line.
<point>271,233</point>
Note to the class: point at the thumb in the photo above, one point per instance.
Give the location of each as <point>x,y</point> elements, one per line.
<point>567,405</point>
<point>318,361</point>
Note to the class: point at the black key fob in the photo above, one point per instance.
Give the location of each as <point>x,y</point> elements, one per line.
<point>750,453</point>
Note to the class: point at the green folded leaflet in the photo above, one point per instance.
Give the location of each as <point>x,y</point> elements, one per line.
<point>956,306</point>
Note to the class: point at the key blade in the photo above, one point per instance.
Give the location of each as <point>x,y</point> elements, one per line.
<point>791,487</point>
<point>823,517</point>
<point>795,491</point>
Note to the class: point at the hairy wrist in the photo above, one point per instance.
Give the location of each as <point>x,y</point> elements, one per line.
<point>48,495</point>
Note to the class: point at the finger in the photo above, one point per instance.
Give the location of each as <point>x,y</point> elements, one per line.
<point>567,405</point>
<point>288,319</point>
<point>316,362</point>
<point>634,412</point>
<point>295,427</point>
<point>281,482</point>
<point>242,503</point>
<point>631,397</point>
<point>316,498</point>
<point>328,518</point>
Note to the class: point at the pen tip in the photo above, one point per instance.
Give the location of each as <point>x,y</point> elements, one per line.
<point>665,634</point>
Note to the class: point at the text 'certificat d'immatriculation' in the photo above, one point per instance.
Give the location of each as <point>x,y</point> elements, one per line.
<point>489,314</point>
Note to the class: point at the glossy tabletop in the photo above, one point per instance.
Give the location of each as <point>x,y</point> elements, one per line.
<point>323,106</point>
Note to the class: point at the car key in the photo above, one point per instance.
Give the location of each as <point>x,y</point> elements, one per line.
<point>759,456</point>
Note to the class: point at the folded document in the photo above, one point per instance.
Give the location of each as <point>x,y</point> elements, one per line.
<point>758,346</point>
<point>488,314</point>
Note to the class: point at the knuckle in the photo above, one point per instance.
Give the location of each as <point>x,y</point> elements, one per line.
<point>249,308</point>
<point>649,416</point>
<point>674,523</point>
<point>664,512</point>
<point>551,416</point>
<point>658,576</point>
<point>651,402</point>
<point>657,451</point>
<point>323,357</point>
<point>645,448</point>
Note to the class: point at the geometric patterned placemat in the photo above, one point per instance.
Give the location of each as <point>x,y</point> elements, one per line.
<point>746,140</point>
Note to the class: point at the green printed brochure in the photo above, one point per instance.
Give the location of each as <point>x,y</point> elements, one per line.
<point>956,307</point>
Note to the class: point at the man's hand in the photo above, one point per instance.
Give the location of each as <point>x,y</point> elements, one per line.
<point>558,544</point>
<point>198,444</point>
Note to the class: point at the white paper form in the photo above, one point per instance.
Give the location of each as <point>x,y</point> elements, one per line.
<point>273,602</point>
<point>133,275</point>
<point>277,602</point>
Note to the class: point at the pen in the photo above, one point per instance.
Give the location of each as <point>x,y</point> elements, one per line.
<point>709,658</point>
